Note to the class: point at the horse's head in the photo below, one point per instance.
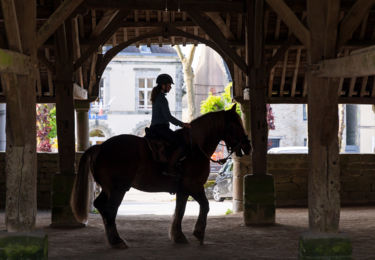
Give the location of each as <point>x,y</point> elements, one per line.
<point>235,136</point>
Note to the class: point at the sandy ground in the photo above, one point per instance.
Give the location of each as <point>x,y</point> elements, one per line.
<point>226,237</point>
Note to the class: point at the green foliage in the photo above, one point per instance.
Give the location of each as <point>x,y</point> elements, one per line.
<point>52,115</point>
<point>217,103</point>
<point>229,211</point>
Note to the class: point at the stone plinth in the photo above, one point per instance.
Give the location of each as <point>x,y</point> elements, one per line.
<point>259,200</point>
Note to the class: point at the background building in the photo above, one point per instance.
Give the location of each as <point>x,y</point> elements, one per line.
<point>124,105</point>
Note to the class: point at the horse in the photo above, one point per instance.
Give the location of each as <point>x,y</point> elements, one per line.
<point>126,161</point>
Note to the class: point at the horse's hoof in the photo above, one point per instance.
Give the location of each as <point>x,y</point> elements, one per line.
<point>121,245</point>
<point>180,239</point>
<point>200,236</point>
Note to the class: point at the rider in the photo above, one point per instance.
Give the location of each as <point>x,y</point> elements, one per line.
<point>161,117</point>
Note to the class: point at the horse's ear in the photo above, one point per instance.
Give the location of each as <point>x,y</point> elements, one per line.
<point>233,109</point>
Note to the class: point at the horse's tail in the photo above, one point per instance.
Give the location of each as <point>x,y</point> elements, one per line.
<point>80,194</point>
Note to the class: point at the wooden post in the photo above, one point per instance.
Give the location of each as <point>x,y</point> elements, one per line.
<point>324,175</point>
<point>20,26</point>
<point>259,193</point>
<point>63,181</point>
<point>241,165</point>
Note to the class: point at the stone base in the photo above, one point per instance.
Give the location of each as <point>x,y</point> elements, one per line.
<point>259,200</point>
<point>62,215</point>
<point>324,246</point>
<point>23,245</point>
<point>237,206</point>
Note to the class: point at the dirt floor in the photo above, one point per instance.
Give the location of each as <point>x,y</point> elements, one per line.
<point>226,237</point>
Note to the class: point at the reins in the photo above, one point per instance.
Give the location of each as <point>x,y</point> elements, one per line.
<point>220,161</point>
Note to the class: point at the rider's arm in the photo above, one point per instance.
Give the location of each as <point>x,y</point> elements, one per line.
<point>167,113</point>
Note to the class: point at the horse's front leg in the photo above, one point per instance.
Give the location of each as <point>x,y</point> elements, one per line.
<point>200,225</point>
<point>175,232</point>
<point>108,209</point>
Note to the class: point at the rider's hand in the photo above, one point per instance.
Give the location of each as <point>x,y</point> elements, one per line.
<point>186,125</point>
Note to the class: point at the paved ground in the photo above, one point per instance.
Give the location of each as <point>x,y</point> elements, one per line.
<point>139,203</point>
<point>226,237</point>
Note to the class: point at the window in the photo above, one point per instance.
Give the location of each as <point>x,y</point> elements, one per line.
<point>273,142</point>
<point>145,86</point>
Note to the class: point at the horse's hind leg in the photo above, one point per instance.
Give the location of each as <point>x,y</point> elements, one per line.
<point>175,232</point>
<point>200,225</point>
<point>107,207</point>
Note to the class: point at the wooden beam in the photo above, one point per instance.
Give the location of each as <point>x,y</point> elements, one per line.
<point>217,36</point>
<point>57,18</point>
<point>216,18</point>
<point>359,63</point>
<point>103,23</point>
<point>202,5</point>
<point>102,38</point>
<point>295,73</point>
<point>291,20</point>
<point>15,62</point>
<point>353,19</point>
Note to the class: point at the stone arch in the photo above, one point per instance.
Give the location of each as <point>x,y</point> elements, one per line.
<point>139,129</point>
<point>103,127</point>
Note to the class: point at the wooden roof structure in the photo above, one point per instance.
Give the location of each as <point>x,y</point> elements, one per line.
<point>218,24</point>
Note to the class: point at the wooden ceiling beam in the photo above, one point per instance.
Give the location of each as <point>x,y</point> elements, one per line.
<point>106,34</point>
<point>103,23</point>
<point>217,36</point>
<point>359,63</point>
<point>56,19</point>
<point>353,19</point>
<point>291,20</point>
<point>216,18</point>
<point>202,5</point>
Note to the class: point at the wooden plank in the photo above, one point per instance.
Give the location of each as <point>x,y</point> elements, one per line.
<point>77,48</point>
<point>271,77</point>
<point>295,73</point>
<point>49,76</point>
<point>101,39</point>
<point>363,87</point>
<point>216,18</point>
<point>103,23</point>
<point>15,62</point>
<point>353,19</point>
<point>291,20</point>
<point>359,63</point>
<point>203,5</point>
<point>11,25</point>
<point>351,87</point>
<point>282,84</point>
<point>215,34</point>
<point>373,87</point>
<point>65,9</point>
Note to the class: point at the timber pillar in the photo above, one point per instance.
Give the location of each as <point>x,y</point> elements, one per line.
<point>259,191</point>
<point>62,215</point>
<point>241,165</point>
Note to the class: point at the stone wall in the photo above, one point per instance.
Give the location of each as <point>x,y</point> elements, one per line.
<point>47,166</point>
<point>290,172</point>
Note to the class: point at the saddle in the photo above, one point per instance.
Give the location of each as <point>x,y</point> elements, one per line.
<point>159,147</point>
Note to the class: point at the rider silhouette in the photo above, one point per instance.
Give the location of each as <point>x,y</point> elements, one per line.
<point>161,117</point>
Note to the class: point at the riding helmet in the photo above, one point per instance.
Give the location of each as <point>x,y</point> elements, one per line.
<point>164,79</point>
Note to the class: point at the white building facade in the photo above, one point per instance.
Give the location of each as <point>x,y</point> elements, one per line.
<point>124,105</point>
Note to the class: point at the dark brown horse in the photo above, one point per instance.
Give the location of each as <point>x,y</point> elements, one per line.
<point>125,161</point>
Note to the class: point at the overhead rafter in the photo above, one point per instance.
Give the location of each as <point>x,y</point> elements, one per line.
<point>359,63</point>
<point>102,38</point>
<point>57,18</point>
<point>103,23</point>
<point>202,5</point>
<point>353,19</point>
<point>217,36</point>
<point>216,18</point>
<point>291,20</point>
